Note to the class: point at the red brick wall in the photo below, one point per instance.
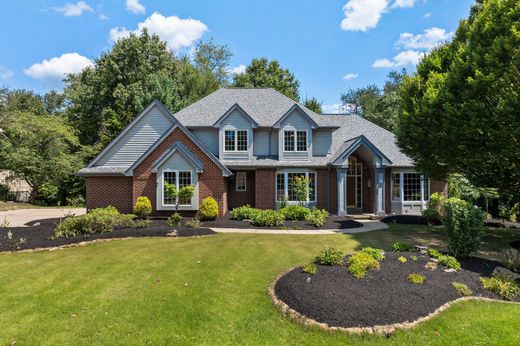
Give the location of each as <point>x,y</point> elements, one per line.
<point>114,191</point>
<point>240,198</point>
<point>265,188</point>
<point>439,186</point>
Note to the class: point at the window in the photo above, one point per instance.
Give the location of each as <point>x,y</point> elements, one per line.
<point>235,140</point>
<point>412,187</point>
<point>294,140</point>
<point>241,181</point>
<point>396,186</point>
<point>284,185</point>
<point>179,179</point>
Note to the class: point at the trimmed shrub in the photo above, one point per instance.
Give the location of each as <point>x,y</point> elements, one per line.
<point>267,218</point>
<point>511,259</point>
<point>310,268</point>
<point>431,252</point>
<point>503,285</point>
<point>432,216</point>
<point>208,209</point>
<point>403,247</point>
<point>143,207</point>
<point>245,212</point>
<point>318,217</point>
<point>378,254</point>
<point>417,279</point>
<point>462,289</point>
<point>360,262</point>
<point>329,256</point>
<point>193,223</point>
<point>174,220</point>
<point>295,212</point>
<point>464,226</point>
<point>449,262</point>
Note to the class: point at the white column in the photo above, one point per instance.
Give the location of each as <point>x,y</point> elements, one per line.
<point>341,182</point>
<point>422,192</point>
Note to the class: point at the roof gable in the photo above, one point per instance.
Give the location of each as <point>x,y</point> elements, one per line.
<point>290,112</point>
<point>236,107</point>
<point>182,150</point>
<point>352,145</point>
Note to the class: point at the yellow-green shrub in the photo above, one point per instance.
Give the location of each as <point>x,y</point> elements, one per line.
<point>143,207</point>
<point>208,209</point>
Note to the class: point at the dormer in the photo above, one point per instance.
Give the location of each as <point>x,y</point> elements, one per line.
<point>235,134</point>
<point>295,135</point>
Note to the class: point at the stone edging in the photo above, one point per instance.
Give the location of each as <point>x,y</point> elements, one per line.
<point>380,330</point>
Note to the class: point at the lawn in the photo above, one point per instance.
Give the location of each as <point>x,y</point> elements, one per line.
<point>6,206</point>
<point>207,290</point>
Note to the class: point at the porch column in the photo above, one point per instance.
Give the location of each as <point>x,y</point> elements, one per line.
<point>341,179</point>
<point>380,191</point>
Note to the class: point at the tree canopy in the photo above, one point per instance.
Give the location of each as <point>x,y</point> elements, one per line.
<point>313,104</point>
<point>460,111</point>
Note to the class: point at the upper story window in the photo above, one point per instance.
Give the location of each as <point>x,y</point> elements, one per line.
<point>294,140</point>
<point>235,140</point>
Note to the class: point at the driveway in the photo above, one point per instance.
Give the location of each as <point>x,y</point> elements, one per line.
<point>20,217</point>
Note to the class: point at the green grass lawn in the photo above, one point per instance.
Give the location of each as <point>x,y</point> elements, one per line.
<point>208,290</point>
<point>6,206</point>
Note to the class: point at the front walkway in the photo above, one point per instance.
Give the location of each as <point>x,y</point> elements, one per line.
<point>20,217</point>
<point>368,225</point>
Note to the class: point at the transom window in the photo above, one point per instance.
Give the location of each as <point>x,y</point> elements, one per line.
<point>294,140</point>
<point>235,140</point>
<point>241,181</point>
<point>180,179</point>
<point>284,185</point>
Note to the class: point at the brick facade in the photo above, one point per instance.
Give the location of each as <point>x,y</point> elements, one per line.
<point>439,186</point>
<point>114,191</point>
<point>265,187</point>
<point>240,198</point>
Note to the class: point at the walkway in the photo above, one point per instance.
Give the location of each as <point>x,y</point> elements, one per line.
<point>20,217</point>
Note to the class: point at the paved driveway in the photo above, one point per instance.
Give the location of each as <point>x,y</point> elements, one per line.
<point>19,218</point>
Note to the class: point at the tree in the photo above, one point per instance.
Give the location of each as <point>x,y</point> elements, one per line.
<point>54,102</point>
<point>460,110</point>
<point>269,74</point>
<point>213,60</point>
<point>302,188</point>
<point>24,101</point>
<point>313,104</point>
<point>185,193</point>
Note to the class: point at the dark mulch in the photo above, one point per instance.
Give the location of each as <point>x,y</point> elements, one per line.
<point>495,223</point>
<point>405,219</point>
<point>333,222</point>
<point>38,235</point>
<point>383,297</point>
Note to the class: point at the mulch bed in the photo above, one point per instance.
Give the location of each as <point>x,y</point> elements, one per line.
<point>38,236</point>
<point>383,297</point>
<point>333,222</point>
<point>405,219</point>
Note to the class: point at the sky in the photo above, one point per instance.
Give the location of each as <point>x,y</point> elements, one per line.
<point>331,46</point>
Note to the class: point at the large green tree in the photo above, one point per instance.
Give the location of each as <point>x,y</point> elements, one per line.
<point>313,104</point>
<point>460,111</point>
<point>269,74</point>
<point>212,60</point>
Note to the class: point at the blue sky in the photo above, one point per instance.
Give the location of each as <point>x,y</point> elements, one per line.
<point>330,45</point>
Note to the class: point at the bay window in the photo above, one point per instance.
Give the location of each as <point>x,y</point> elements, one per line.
<point>294,140</point>
<point>410,187</point>
<point>285,189</point>
<point>235,140</point>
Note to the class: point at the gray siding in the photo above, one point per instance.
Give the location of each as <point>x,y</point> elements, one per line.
<point>295,121</point>
<point>137,140</point>
<point>261,142</point>
<point>208,137</point>
<point>321,142</point>
<point>235,121</point>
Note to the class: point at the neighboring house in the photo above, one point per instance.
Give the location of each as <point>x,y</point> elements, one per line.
<point>13,189</point>
<point>245,146</point>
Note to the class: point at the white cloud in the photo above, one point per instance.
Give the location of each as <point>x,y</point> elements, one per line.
<point>403,3</point>
<point>103,17</point>
<point>74,10</point>
<point>135,6</point>
<point>430,38</point>
<point>178,33</point>
<point>238,69</point>
<point>406,58</point>
<point>56,69</point>
<point>5,73</point>
<point>427,15</point>
<point>331,109</point>
<point>382,63</point>
<point>361,15</point>
<point>350,76</point>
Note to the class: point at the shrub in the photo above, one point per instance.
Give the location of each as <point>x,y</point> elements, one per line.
<point>511,259</point>
<point>417,279</point>
<point>414,258</point>
<point>302,187</point>
<point>193,223</point>
<point>433,253</point>
<point>329,256</point>
<point>267,218</point>
<point>318,217</point>
<point>510,214</point>
<point>378,254</point>
<point>462,289</point>
<point>143,207</point>
<point>360,262</point>
<point>174,220</point>
<point>464,226</point>
<point>310,268</point>
<point>436,200</point>
<point>431,266</point>
<point>77,201</point>
<point>449,262</point>
<point>295,212</point>
<point>143,223</point>
<point>245,212</point>
<point>208,209</point>
<point>503,285</point>
<point>403,247</point>
<point>402,259</point>
<point>432,216</point>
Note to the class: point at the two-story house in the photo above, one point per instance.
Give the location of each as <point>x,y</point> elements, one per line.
<point>245,146</point>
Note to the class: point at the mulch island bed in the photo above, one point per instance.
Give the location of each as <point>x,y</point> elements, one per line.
<point>38,236</point>
<point>385,297</point>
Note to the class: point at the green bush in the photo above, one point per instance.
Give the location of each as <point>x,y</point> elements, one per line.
<point>462,289</point>
<point>295,212</point>
<point>510,214</point>
<point>414,258</point>
<point>445,260</point>
<point>329,256</point>
<point>503,285</point>
<point>193,223</point>
<point>208,209</point>
<point>432,216</point>
<point>318,217</point>
<point>142,223</point>
<point>402,259</point>
<point>98,220</point>
<point>245,212</point>
<point>361,262</point>
<point>436,200</point>
<point>510,258</point>
<point>174,220</point>
<point>77,201</point>
<point>403,247</point>
<point>378,254</point>
<point>433,253</point>
<point>143,207</point>
<point>267,218</point>
<point>310,268</point>
<point>464,226</point>
<point>417,279</point>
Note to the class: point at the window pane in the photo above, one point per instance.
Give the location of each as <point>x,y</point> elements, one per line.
<point>396,186</point>
<point>242,140</point>
<point>241,181</point>
<point>312,187</point>
<point>301,140</point>
<point>280,186</point>
<point>359,183</point>
<point>291,194</point>
<point>412,187</point>
<point>288,141</point>
<point>229,140</point>
<point>184,180</point>
<point>168,178</point>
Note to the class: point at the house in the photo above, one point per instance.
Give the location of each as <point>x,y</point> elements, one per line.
<point>245,146</point>
<point>13,189</point>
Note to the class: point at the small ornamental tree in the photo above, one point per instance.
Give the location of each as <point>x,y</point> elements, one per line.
<point>302,189</point>
<point>185,193</point>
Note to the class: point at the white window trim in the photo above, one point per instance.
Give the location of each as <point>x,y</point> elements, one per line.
<point>176,185</point>
<point>286,185</point>
<point>244,175</point>
<point>295,132</point>
<point>236,141</point>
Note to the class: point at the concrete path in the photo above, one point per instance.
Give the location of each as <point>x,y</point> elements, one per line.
<point>368,225</point>
<point>20,217</point>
